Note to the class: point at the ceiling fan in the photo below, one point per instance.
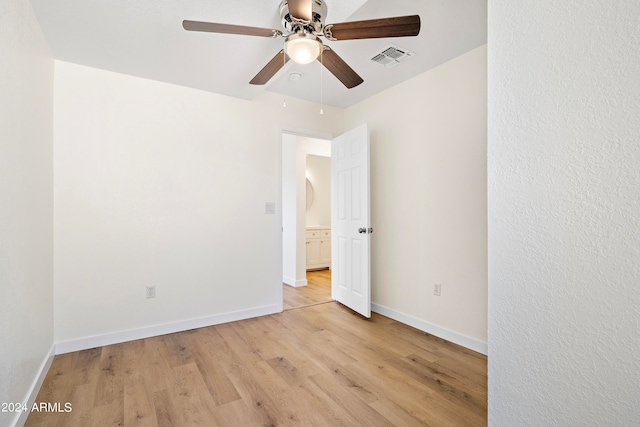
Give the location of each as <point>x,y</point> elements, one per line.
<point>303,23</point>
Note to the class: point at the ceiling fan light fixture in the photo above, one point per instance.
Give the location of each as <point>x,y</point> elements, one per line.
<point>303,48</point>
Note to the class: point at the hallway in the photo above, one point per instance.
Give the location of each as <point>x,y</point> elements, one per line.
<point>317,291</point>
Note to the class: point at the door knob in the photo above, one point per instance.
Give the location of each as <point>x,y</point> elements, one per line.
<point>362,230</point>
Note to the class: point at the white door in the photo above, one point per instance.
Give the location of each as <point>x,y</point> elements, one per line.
<point>350,220</point>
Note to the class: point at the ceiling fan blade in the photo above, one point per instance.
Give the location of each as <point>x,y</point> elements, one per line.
<point>339,68</point>
<point>400,26</point>
<point>300,9</point>
<point>212,27</point>
<point>270,69</point>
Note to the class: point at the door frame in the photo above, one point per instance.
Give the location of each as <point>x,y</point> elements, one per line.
<point>281,130</point>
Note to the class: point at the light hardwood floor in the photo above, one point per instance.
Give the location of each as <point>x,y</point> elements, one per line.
<point>317,291</point>
<point>321,365</point>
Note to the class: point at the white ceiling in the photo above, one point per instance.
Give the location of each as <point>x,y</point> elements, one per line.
<point>145,38</point>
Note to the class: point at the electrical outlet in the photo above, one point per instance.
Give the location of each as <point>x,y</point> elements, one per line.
<point>151,291</point>
<point>437,288</point>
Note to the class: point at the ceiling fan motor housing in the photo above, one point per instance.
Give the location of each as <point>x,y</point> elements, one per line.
<point>293,25</point>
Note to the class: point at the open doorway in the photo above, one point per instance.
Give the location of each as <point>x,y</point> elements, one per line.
<point>306,220</point>
<point>317,291</point>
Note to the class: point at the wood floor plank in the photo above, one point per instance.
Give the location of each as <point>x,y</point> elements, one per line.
<point>256,339</point>
<point>370,331</point>
<point>157,372</point>
<point>211,341</point>
<point>245,352</point>
<point>287,371</point>
<point>214,374</point>
<point>58,386</point>
<point>457,379</point>
<point>82,399</point>
<point>318,365</point>
<point>237,413</point>
<point>396,414</point>
<point>396,386</point>
<point>443,383</point>
<point>87,362</point>
<point>166,414</point>
<point>324,408</point>
<point>109,415</point>
<point>441,349</point>
<point>190,398</point>
<point>110,378</point>
<point>310,340</point>
<point>262,405</point>
<point>317,291</point>
<point>386,382</point>
<point>138,395</point>
<point>358,386</point>
<point>320,351</point>
<point>177,351</point>
<point>345,399</point>
<point>279,392</point>
<point>138,405</point>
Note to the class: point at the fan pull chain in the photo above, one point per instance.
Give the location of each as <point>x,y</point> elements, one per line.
<point>321,74</point>
<point>284,59</point>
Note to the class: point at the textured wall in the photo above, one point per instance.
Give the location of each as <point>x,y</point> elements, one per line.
<point>564,213</point>
<point>26,202</point>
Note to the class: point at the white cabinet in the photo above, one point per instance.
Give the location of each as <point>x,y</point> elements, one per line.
<point>318,247</point>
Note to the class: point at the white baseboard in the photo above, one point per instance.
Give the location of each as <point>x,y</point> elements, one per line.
<point>167,328</point>
<point>295,283</point>
<point>430,328</point>
<point>32,393</point>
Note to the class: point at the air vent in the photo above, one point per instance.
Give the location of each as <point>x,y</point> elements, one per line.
<point>392,55</point>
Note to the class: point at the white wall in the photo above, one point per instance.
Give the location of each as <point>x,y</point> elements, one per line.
<point>564,213</point>
<point>290,274</point>
<point>315,146</point>
<point>428,198</point>
<point>163,185</point>
<point>319,175</point>
<point>26,207</point>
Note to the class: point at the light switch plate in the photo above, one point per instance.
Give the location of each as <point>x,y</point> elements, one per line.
<point>270,208</point>
<point>437,289</point>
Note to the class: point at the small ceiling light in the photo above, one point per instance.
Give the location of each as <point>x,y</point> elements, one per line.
<point>303,48</point>
<point>295,76</point>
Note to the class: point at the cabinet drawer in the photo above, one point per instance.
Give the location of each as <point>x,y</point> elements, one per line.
<point>320,232</point>
<point>313,234</point>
